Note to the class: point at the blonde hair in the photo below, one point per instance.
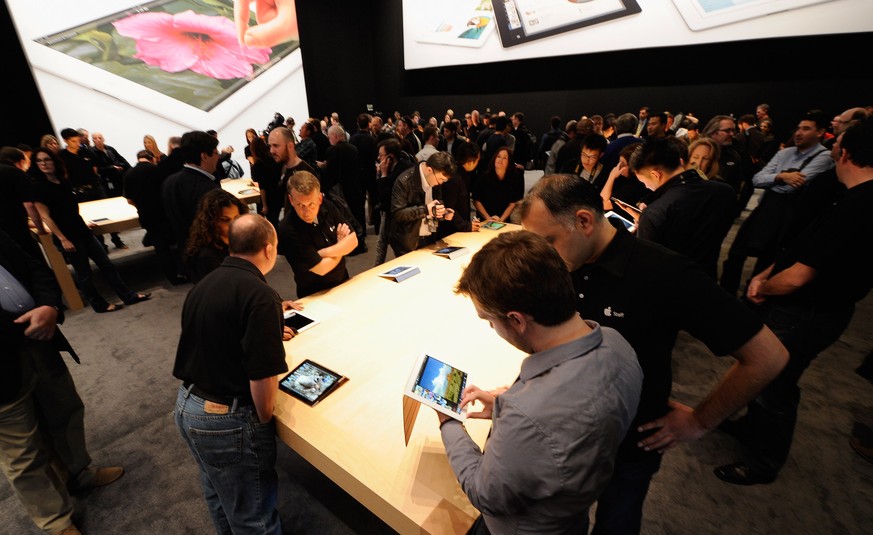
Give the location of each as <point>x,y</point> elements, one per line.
<point>714,152</point>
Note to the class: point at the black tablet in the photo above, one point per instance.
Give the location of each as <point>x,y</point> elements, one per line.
<point>311,382</point>
<point>520,21</point>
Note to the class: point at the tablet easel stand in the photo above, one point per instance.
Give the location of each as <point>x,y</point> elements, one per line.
<point>410,413</point>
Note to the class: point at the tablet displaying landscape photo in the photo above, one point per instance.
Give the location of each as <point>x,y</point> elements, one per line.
<point>521,21</point>
<point>437,384</point>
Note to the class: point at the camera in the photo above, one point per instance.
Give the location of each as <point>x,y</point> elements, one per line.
<point>278,120</point>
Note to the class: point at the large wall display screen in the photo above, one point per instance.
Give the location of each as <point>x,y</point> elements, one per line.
<point>199,64</point>
<point>440,33</point>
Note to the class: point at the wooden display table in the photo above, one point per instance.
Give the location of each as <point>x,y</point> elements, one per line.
<point>356,435</point>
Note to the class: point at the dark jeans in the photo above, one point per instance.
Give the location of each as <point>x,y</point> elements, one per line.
<point>236,455</point>
<point>805,331</point>
<point>620,506</point>
<point>87,248</point>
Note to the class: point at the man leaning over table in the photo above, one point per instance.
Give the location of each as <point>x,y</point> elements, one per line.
<point>229,357</point>
<point>548,456</point>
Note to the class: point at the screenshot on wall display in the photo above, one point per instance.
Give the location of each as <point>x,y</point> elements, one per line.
<point>703,14</point>
<point>528,29</point>
<point>179,58</point>
<point>520,21</point>
<point>454,22</point>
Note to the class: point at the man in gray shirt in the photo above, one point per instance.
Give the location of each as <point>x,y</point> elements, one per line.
<point>556,430</point>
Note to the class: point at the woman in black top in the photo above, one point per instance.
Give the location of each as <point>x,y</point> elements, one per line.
<point>59,209</point>
<point>497,191</point>
<point>266,172</point>
<point>208,242</point>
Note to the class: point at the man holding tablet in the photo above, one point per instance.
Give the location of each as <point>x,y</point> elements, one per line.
<point>548,456</point>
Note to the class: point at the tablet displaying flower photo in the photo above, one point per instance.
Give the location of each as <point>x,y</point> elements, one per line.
<point>188,50</point>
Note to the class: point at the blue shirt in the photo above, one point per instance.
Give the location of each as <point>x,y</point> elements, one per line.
<point>554,437</point>
<point>792,158</point>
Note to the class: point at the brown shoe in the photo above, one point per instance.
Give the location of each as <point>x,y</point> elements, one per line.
<point>99,478</point>
<point>72,530</point>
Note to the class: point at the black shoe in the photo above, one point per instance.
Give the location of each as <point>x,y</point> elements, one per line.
<point>178,280</point>
<point>862,449</point>
<point>741,474</point>
<point>120,244</point>
<point>138,298</point>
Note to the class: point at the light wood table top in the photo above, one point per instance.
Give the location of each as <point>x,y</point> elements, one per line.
<point>355,435</point>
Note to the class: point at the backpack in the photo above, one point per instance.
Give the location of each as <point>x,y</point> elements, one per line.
<point>232,169</point>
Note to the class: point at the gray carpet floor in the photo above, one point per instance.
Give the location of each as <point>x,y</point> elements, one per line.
<point>126,383</point>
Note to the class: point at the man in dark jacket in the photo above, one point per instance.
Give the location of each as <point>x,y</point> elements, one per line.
<point>35,385</point>
<point>416,207</point>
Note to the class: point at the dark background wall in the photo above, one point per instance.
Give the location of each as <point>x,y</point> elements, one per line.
<point>792,75</point>
<point>353,57</point>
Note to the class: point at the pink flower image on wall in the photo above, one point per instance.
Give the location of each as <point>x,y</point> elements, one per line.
<point>204,44</point>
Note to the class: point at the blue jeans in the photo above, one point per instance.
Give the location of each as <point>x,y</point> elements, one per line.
<point>237,459</point>
<point>620,505</point>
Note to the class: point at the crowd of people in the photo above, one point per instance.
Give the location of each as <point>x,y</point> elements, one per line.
<point>614,297</point>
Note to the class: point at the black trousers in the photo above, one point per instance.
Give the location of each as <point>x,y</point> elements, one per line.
<point>805,331</point>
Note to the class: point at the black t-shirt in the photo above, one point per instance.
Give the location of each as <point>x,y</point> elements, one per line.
<point>648,294</point>
<point>838,246</point>
<point>80,167</point>
<point>495,194</point>
<point>232,329</point>
<point>691,216</point>
<point>142,185</point>
<point>17,190</point>
<point>62,205</point>
<point>300,242</point>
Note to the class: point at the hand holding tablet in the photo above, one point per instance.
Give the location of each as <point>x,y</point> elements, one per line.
<point>438,385</point>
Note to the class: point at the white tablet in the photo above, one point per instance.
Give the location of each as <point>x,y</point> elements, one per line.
<point>400,273</point>
<point>454,22</point>
<point>703,14</point>
<point>125,56</point>
<point>437,384</point>
<point>299,321</point>
<point>628,224</point>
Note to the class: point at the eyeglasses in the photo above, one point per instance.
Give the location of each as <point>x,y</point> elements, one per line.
<point>728,130</point>
<point>590,156</point>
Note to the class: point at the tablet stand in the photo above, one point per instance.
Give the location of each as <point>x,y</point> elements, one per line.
<point>410,413</point>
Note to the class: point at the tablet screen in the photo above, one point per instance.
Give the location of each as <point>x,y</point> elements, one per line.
<point>524,20</point>
<point>494,225</point>
<point>310,382</point>
<point>440,383</point>
<point>298,322</point>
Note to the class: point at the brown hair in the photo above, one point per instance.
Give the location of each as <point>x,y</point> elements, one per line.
<point>519,271</point>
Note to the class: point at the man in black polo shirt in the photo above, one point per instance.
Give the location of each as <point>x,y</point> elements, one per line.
<point>686,213</point>
<point>229,357</point>
<point>315,237</point>
<point>808,298</point>
<point>648,294</point>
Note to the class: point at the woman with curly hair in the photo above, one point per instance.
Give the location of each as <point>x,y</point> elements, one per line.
<point>208,243</point>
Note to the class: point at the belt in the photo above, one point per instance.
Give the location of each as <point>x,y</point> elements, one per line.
<point>223,400</point>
